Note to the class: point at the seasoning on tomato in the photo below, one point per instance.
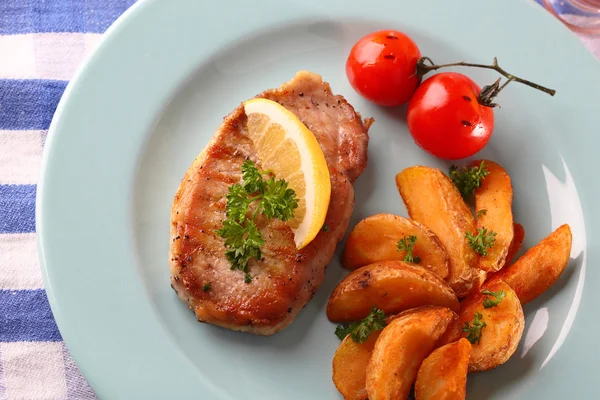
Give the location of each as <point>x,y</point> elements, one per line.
<point>381,67</point>
<point>446,119</point>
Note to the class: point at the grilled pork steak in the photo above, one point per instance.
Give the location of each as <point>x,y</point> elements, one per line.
<point>286,278</point>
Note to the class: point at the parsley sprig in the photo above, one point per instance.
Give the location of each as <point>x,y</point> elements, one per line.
<point>360,331</point>
<point>407,244</point>
<point>488,302</point>
<point>482,241</point>
<point>474,328</point>
<point>468,179</point>
<point>243,240</point>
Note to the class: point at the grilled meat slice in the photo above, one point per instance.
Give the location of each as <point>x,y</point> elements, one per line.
<point>286,278</point>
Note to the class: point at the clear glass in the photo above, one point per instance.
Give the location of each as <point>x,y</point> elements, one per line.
<point>579,15</point>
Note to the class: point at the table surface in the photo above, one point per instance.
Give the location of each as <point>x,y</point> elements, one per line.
<point>41,45</point>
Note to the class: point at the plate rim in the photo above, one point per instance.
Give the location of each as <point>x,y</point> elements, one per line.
<point>61,112</point>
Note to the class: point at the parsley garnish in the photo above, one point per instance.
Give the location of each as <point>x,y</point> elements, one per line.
<point>325,228</point>
<point>489,302</point>
<point>474,329</point>
<point>243,240</point>
<point>407,244</point>
<point>481,213</point>
<point>481,242</point>
<point>360,331</point>
<point>468,179</point>
<point>206,287</point>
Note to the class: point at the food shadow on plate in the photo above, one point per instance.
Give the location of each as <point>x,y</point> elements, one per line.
<point>493,383</point>
<point>364,188</point>
<point>565,280</point>
<point>397,113</point>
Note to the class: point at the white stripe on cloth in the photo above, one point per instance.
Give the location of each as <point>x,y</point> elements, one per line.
<point>34,370</point>
<point>19,268</point>
<point>44,55</point>
<point>20,156</point>
<point>77,386</point>
<point>2,384</point>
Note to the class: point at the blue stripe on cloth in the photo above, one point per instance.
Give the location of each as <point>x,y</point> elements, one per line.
<point>36,16</point>
<point>28,104</point>
<point>25,316</point>
<point>17,208</point>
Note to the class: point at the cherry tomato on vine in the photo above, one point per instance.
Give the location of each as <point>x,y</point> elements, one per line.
<point>446,119</point>
<point>381,67</point>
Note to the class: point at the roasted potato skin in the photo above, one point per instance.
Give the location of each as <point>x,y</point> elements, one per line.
<point>400,350</point>
<point>392,286</point>
<point>375,239</point>
<point>350,367</point>
<point>503,331</point>
<point>433,200</point>
<point>452,334</point>
<point>480,278</point>
<point>540,267</point>
<point>515,245</point>
<point>495,196</point>
<point>443,375</point>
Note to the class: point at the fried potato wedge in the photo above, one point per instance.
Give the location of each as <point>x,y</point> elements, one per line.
<point>540,267</point>
<point>401,348</point>
<point>351,359</point>
<point>350,366</point>
<point>375,239</point>
<point>443,375</point>
<point>452,334</point>
<point>493,202</point>
<point>392,286</point>
<point>515,245</point>
<point>432,199</point>
<point>504,326</point>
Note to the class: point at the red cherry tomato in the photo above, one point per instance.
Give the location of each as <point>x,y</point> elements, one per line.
<point>446,119</point>
<point>381,67</point>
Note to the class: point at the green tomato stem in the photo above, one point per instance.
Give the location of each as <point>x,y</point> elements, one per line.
<point>488,93</point>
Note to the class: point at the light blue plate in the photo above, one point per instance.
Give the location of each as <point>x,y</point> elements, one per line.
<point>149,99</point>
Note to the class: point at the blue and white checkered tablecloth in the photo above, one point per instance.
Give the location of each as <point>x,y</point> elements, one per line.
<point>42,42</point>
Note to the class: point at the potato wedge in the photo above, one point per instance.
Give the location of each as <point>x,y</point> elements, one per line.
<point>351,359</point>
<point>516,243</point>
<point>375,239</point>
<point>452,334</point>
<point>443,375</point>
<point>432,199</point>
<point>540,267</point>
<point>504,326</point>
<point>495,196</point>
<point>350,367</point>
<point>401,348</point>
<point>392,286</point>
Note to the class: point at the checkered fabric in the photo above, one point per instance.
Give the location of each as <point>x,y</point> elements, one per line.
<point>42,43</point>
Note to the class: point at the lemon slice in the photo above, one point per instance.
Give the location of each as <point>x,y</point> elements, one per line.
<point>285,146</point>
